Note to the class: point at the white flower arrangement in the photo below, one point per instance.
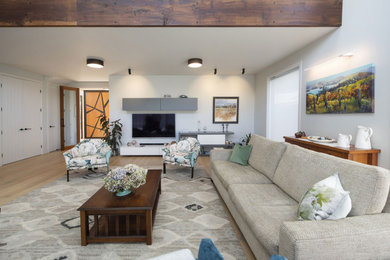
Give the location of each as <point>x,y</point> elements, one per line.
<point>125,178</point>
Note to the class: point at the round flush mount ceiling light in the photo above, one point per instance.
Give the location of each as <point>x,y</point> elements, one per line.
<point>95,63</point>
<point>195,63</point>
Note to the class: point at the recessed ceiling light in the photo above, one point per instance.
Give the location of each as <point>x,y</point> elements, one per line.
<point>195,63</point>
<point>95,63</point>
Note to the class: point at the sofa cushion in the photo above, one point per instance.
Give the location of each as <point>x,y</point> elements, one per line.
<point>300,168</point>
<point>87,160</point>
<point>265,155</point>
<point>241,154</point>
<point>231,173</point>
<point>325,200</point>
<point>264,207</point>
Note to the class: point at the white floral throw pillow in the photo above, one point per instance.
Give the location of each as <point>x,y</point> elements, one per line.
<point>325,200</point>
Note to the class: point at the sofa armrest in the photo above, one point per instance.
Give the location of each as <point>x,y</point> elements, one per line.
<point>68,156</point>
<point>221,154</point>
<point>362,237</point>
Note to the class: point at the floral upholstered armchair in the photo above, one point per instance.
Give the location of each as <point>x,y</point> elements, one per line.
<point>89,153</point>
<point>184,153</point>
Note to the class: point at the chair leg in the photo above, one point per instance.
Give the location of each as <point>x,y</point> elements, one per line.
<point>192,172</point>
<point>67,175</point>
<point>164,168</point>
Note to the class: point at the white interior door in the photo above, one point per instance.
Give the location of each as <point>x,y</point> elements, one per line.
<point>13,129</point>
<point>54,140</point>
<point>32,119</point>
<point>283,105</point>
<point>21,119</point>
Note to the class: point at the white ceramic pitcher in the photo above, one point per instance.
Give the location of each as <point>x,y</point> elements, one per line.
<point>363,136</point>
<point>344,140</point>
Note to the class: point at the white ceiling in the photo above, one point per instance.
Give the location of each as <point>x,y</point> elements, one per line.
<point>62,52</point>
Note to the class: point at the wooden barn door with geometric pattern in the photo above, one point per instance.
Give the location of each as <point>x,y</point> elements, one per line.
<point>95,104</point>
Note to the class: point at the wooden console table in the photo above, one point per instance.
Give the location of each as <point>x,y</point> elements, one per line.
<point>358,155</point>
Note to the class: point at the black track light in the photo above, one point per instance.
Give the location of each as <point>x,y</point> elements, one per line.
<point>129,71</point>
<point>243,71</point>
<point>215,71</point>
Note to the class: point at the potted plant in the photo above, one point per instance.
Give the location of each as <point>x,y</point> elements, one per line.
<point>245,140</point>
<point>122,179</point>
<point>112,133</point>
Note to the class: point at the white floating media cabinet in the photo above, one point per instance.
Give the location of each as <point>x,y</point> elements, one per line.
<point>141,150</point>
<point>209,139</point>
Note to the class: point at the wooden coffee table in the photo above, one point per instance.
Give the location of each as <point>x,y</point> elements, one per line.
<point>121,219</point>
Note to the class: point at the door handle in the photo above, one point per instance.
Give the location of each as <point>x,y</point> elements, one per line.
<point>21,129</point>
<point>27,129</point>
<point>51,126</point>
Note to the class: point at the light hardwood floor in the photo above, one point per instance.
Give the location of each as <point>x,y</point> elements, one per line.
<point>19,178</point>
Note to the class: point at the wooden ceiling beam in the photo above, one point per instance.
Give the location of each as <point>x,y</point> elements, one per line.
<point>172,13</point>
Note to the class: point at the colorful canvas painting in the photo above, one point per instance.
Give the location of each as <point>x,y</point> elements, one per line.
<point>351,91</point>
<point>225,110</point>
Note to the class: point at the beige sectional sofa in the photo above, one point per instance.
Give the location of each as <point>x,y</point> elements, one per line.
<point>263,198</point>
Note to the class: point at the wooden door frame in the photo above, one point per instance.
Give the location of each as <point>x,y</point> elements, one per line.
<point>62,88</point>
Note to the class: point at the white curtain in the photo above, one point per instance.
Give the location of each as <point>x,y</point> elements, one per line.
<point>283,105</point>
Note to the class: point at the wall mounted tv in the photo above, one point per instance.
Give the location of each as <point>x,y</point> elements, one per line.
<point>154,125</point>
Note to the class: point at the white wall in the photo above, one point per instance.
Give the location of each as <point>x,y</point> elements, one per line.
<point>365,31</point>
<point>88,85</point>
<point>202,87</point>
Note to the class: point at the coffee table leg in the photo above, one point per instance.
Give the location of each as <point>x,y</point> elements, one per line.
<point>83,228</point>
<point>149,227</point>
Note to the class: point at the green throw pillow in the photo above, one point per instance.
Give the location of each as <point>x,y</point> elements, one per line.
<point>241,154</point>
<point>325,200</point>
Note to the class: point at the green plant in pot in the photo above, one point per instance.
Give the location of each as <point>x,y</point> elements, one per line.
<point>245,140</point>
<point>112,133</point>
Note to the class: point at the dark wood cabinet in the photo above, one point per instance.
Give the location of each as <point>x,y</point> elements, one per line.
<point>367,156</point>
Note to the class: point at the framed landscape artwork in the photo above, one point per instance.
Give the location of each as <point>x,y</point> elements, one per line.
<point>225,110</point>
<point>351,91</point>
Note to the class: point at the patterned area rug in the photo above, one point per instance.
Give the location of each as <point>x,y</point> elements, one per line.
<point>178,173</point>
<point>44,224</point>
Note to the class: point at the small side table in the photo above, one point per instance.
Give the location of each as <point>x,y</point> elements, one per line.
<point>121,219</point>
